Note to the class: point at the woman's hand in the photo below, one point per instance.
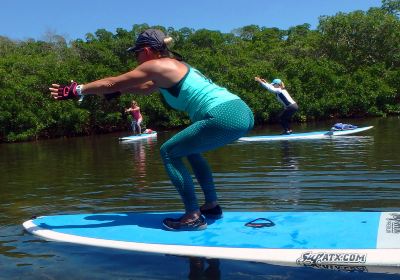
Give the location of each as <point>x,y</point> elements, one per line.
<point>260,80</point>
<point>60,92</point>
<point>54,91</point>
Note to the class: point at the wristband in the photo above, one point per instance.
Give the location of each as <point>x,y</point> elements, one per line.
<point>79,90</point>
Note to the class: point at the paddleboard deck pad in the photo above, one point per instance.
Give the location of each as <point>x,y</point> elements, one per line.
<point>287,238</point>
<point>306,135</point>
<point>138,137</point>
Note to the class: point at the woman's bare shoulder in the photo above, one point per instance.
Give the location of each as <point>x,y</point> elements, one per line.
<point>162,64</point>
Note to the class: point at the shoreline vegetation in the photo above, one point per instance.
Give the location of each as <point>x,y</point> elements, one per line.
<point>348,67</point>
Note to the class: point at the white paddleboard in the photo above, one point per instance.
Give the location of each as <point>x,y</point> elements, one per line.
<point>138,137</point>
<point>306,135</point>
<point>353,239</point>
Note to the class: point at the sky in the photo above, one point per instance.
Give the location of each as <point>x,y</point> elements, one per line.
<point>72,19</point>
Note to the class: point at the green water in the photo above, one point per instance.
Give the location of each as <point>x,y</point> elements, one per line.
<point>99,174</point>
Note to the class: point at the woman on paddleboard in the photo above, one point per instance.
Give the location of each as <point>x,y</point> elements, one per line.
<point>137,118</point>
<point>277,87</point>
<point>218,118</point>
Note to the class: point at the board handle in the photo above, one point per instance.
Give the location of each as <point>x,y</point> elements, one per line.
<point>260,223</point>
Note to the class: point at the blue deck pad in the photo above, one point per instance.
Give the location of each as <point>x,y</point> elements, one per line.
<point>292,230</point>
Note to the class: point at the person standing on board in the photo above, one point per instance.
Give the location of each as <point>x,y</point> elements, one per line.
<point>218,117</point>
<point>137,118</point>
<point>277,87</point>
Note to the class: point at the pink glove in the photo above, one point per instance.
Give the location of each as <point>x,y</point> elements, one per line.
<point>68,92</point>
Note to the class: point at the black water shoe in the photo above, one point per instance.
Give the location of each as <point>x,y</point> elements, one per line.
<point>214,213</point>
<point>177,224</point>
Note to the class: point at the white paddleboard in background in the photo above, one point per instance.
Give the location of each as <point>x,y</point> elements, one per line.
<point>359,240</point>
<point>306,135</point>
<point>138,137</point>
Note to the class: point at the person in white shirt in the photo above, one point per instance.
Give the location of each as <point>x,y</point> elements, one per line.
<point>277,87</point>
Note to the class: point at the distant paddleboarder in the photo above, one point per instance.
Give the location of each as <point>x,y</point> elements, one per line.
<point>137,117</point>
<point>277,87</point>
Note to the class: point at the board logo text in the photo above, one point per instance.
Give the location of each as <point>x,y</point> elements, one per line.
<point>321,258</point>
<point>393,223</point>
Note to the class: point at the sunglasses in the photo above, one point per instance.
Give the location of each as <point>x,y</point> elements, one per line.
<point>137,52</point>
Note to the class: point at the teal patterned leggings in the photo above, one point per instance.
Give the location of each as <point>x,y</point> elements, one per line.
<point>222,125</point>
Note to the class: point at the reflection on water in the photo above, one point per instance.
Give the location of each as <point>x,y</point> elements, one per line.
<point>138,150</point>
<point>100,174</point>
<point>316,175</point>
<point>201,269</point>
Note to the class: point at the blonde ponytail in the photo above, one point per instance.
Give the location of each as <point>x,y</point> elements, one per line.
<point>168,41</point>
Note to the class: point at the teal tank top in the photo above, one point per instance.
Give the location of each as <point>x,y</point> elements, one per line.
<point>196,94</point>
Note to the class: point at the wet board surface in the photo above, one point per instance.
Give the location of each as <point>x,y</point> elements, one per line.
<point>298,238</point>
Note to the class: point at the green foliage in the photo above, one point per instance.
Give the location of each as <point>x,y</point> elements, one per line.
<point>361,38</point>
<point>348,67</point>
<point>391,6</point>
